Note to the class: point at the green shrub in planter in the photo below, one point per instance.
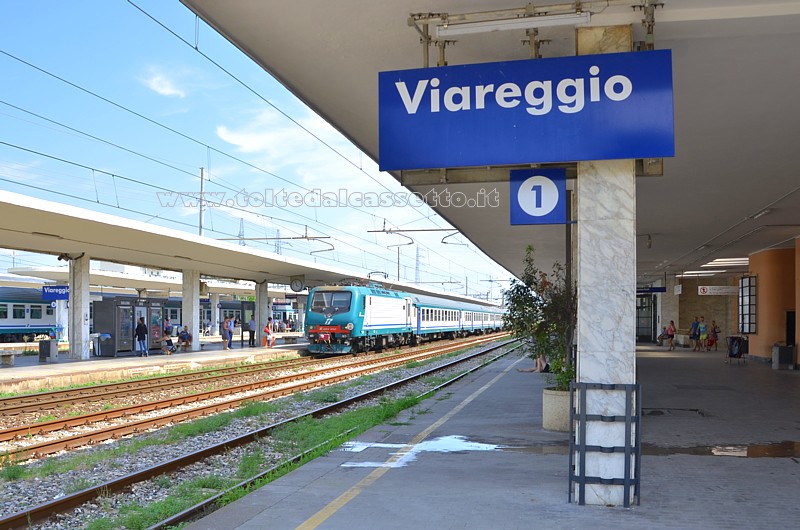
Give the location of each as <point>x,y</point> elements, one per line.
<point>541,310</point>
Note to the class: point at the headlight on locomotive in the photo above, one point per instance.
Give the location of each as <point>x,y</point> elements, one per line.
<point>349,326</point>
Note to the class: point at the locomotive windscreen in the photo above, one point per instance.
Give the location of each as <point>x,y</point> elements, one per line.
<point>331,301</point>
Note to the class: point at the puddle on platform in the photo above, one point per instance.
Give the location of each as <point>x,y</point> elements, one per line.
<point>771,450</point>
<point>401,458</point>
<point>406,454</point>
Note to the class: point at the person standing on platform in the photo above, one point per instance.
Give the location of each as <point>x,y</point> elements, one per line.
<point>226,334</point>
<point>267,341</point>
<point>252,330</point>
<point>141,337</point>
<point>230,333</point>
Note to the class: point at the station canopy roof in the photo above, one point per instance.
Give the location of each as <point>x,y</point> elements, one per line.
<point>735,65</point>
<point>37,225</point>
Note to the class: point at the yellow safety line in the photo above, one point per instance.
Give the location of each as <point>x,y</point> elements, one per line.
<point>334,506</point>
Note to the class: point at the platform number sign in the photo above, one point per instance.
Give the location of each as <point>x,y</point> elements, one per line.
<point>538,196</point>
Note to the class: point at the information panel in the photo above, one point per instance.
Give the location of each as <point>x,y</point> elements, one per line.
<point>589,107</point>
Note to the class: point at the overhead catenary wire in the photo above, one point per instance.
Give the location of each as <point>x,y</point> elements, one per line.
<point>130,210</point>
<point>208,147</point>
<point>170,129</point>
<point>196,48</point>
<point>135,181</point>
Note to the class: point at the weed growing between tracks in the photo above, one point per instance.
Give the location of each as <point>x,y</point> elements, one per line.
<point>185,495</point>
<point>251,460</point>
<point>11,471</point>
<point>307,433</point>
<point>312,437</point>
<point>177,433</point>
<point>315,437</point>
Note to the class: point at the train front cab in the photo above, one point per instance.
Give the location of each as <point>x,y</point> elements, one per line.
<point>330,320</point>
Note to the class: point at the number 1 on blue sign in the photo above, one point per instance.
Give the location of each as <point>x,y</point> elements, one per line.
<point>537,190</point>
<point>538,196</point>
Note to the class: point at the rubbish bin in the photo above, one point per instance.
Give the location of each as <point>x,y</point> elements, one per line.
<point>782,357</point>
<point>95,338</point>
<point>245,331</point>
<point>48,351</point>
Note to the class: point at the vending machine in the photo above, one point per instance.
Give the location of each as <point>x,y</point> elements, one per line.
<point>152,310</point>
<point>113,319</point>
<point>155,319</point>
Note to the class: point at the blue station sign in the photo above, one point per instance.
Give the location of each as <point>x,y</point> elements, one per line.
<point>589,107</point>
<point>538,196</point>
<point>55,292</point>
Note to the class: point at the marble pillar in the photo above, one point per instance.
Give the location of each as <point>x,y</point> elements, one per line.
<point>79,307</point>
<point>606,275</point>
<point>214,302</point>
<point>606,333</point>
<point>190,305</point>
<point>262,308</point>
<point>301,314</point>
<point>62,320</point>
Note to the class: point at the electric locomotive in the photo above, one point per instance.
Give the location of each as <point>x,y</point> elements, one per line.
<point>355,319</point>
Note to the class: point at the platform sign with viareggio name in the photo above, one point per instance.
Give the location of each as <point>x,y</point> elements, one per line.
<point>566,109</point>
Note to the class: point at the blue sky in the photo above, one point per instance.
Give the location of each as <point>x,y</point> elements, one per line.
<point>103,108</point>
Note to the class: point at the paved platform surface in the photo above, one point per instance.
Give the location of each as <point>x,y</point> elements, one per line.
<point>721,450</point>
<point>475,457</point>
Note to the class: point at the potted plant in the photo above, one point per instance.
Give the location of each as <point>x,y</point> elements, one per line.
<point>541,311</point>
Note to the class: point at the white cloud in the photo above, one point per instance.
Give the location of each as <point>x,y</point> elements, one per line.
<point>160,83</point>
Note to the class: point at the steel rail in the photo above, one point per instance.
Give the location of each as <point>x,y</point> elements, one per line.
<point>58,398</point>
<point>307,380</point>
<point>42,511</point>
<point>30,403</point>
<point>213,503</point>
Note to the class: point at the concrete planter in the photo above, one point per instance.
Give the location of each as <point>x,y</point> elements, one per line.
<point>555,410</point>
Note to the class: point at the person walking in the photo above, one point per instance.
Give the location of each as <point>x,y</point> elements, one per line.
<point>141,337</point>
<point>252,330</point>
<point>713,336</point>
<point>693,335</point>
<point>671,334</point>
<point>702,334</point>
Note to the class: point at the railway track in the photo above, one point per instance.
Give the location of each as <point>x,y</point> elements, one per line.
<point>44,402</point>
<point>45,510</point>
<point>47,401</point>
<point>40,439</point>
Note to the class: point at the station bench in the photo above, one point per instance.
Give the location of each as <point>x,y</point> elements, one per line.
<point>7,357</point>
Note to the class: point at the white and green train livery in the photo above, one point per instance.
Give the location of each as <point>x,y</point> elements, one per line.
<point>355,319</point>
